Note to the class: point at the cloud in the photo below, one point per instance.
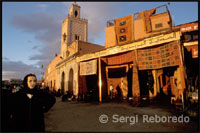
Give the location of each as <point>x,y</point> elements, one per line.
<point>29,41</point>
<point>42,6</point>
<point>45,29</point>
<point>39,22</point>
<point>12,69</point>
<point>35,47</point>
<point>6,58</point>
<point>47,53</point>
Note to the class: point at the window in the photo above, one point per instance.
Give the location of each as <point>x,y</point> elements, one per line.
<point>76,13</point>
<point>187,37</point>
<point>159,25</point>
<point>110,23</point>
<point>76,37</point>
<point>122,23</point>
<point>190,36</point>
<point>122,30</point>
<point>195,37</point>
<point>67,53</point>
<point>64,37</point>
<point>122,38</point>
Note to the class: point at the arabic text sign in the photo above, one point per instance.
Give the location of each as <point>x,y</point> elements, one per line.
<point>88,68</point>
<point>135,45</point>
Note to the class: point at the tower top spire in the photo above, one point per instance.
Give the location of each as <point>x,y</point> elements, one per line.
<point>75,10</point>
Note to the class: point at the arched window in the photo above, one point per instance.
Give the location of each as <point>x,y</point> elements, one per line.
<point>64,37</point>
<point>76,13</point>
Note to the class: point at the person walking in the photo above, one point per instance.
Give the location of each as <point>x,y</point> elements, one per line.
<point>111,91</point>
<point>29,106</point>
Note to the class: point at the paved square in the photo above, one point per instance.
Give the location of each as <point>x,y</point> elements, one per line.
<point>79,116</point>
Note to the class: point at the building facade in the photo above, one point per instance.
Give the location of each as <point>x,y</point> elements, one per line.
<point>143,59</point>
<point>190,42</point>
<point>51,76</point>
<point>74,43</point>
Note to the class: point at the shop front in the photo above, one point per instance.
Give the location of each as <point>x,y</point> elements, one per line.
<point>118,75</point>
<point>88,81</point>
<point>147,69</point>
<point>161,73</point>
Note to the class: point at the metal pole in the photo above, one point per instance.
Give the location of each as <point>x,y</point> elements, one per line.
<point>100,82</point>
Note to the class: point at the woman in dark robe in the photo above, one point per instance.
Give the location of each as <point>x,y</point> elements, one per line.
<point>29,107</point>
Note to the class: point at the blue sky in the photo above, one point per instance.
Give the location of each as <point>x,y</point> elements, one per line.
<point>31,31</point>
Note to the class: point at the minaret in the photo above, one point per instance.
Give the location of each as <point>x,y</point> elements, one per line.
<point>73,28</point>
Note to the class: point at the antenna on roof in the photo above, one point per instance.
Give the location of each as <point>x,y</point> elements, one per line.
<point>173,24</point>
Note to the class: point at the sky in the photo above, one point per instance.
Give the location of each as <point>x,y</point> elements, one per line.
<point>31,31</point>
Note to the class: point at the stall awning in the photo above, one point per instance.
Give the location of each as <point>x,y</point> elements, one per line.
<point>119,59</point>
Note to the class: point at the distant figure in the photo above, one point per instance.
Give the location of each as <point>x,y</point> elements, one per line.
<point>119,92</point>
<point>111,91</point>
<point>29,106</point>
<point>59,92</point>
<point>150,81</point>
<point>67,96</point>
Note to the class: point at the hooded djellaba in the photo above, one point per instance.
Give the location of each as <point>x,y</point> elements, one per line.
<point>30,104</point>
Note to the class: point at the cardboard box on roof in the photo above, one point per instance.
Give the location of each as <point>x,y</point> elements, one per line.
<point>138,26</point>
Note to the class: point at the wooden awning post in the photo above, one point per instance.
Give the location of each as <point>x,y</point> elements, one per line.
<point>182,71</point>
<point>100,82</point>
<point>135,85</point>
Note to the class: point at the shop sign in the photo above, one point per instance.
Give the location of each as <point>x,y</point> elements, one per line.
<point>135,45</point>
<point>151,41</point>
<point>189,28</point>
<point>88,68</point>
<point>162,56</point>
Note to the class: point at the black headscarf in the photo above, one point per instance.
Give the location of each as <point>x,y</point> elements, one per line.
<point>26,88</point>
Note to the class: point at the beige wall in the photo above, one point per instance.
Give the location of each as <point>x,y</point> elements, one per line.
<point>163,18</point>
<point>65,30</point>
<point>51,74</point>
<point>73,48</point>
<point>110,36</point>
<point>65,67</point>
<point>139,29</point>
<point>86,47</point>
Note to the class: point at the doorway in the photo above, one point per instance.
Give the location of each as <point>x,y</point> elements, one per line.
<point>63,83</point>
<point>117,80</point>
<point>70,82</point>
